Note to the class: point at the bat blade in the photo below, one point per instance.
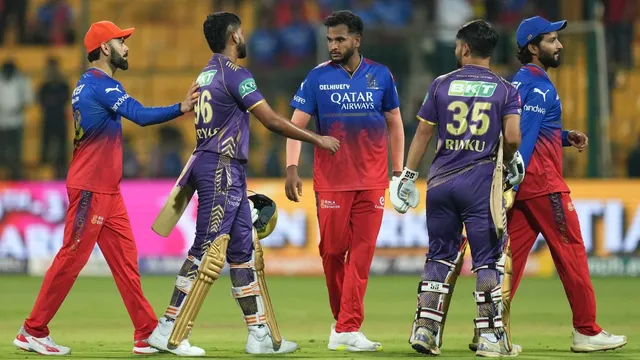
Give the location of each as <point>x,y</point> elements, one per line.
<point>172,210</point>
<point>497,210</point>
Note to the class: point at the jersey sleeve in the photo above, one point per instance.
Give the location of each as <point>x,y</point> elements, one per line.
<point>390,98</point>
<point>243,88</point>
<point>513,105</point>
<point>305,98</point>
<point>112,96</point>
<point>533,111</point>
<point>428,111</point>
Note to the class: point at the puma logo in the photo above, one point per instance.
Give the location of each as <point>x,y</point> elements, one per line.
<point>117,88</point>
<point>544,94</point>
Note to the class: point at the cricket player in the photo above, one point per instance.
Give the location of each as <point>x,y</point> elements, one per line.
<point>543,204</point>
<point>96,212</point>
<point>471,109</point>
<point>355,100</point>
<point>216,170</point>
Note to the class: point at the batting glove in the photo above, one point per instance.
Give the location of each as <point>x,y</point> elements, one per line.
<point>515,168</point>
<point>403,191</point>
<point>254,212</point>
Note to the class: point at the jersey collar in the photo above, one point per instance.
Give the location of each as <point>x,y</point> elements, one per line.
<point>360,65</point>
<point>535,69</point>
<point>97,69</point>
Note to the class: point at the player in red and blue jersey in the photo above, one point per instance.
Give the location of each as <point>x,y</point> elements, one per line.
<point>354,100</point>
<point>542,202</point>
<point>96,212</point>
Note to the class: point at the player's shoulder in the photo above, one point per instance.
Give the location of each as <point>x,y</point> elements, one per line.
<point>323,68</point>
<point>229,67</point>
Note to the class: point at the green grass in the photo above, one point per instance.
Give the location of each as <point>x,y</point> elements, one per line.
<point>94,323</point>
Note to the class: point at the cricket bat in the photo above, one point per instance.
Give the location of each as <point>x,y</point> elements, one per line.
<point>497,188</point>
<point>175,205</point>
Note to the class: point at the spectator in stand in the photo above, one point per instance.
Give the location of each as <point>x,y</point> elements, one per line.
<point>54,25</point>
<point>298,39</point>
<point>54,97</point>
<point>15,10</point>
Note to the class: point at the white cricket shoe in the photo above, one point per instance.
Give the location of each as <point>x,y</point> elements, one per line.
<point>351,341</point>
<point>425,342</point>
<point>492,349</point>
<point>142,347</point>
<point>42,346</point>
<point>473,345</point>
<point>601,342</point>
<point>259,341</point>
<point>159,339</point>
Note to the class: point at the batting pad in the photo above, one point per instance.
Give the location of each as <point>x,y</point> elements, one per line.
<point>210,268</point>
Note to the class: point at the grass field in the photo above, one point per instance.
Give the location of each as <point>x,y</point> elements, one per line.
<point>94,323</point>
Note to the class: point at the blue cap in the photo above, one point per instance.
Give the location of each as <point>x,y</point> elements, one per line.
<point>534,26</point>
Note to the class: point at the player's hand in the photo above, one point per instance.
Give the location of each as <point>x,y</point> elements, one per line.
<point>293,184</point>
<point>192,98</point>
<point>403,192</point>
<point>515,167</point>
<point>254,212</point>
<point>329,143</point>
<point>578,140</point>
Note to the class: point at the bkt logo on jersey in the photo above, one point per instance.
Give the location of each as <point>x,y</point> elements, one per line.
<point>536,109</point>
<point>472,88</point>
<point>354,100</point>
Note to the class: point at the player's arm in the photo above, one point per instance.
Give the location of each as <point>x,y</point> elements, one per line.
<point>128,107</point>
<point>293,183</point>
<point>511,123</point>
<point>420,144</point>
<point>391,108</point>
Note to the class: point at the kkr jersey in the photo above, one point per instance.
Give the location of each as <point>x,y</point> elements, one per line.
<point>542,135</point>
<point>350,107</point>
<point>99,102</point>
<point>467,106</point>
<point>227,94</point>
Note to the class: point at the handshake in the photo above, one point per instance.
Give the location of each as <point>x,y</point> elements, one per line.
<point>404,194</point>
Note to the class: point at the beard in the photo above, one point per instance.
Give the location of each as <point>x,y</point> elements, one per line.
<point>118,61</point>
<point>242,50</point>
<point>548,59</point>
<point>458,62</point>
<point>346,56</point>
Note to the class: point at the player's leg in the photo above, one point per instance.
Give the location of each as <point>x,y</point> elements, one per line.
<point>249,286</point>
<point>441,270</point>
<point>119,249</point>
<point>212,179</point>
<point>366,217</point>
<point>561,229</point>
<point>80,235</point>
<point>522,236</point>
<point>334,215</point>
<point>491,262</point>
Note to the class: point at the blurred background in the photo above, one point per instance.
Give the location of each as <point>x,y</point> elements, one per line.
<point>42,57</point>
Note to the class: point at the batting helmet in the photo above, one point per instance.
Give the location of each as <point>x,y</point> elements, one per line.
<point>267,214</point>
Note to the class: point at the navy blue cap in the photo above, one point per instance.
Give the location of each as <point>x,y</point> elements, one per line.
<point>534,26</point>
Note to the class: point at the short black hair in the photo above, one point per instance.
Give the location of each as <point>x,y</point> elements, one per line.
<point>94,55</point>
<point>524,55</point>
<point>481,37</point>
<point>218,27</point>
<point>345,17</point>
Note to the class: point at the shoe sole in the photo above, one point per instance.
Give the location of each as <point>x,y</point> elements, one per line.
<point>423,348</point>
<point>351,348</point>
<point>25,347</point>
<point>592,348</point>
<point>490,354</point>
<point>473,347</point>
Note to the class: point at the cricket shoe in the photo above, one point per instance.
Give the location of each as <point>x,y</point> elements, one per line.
<point>260,341</point>
<point>424,342</point>
<point>473,345</point>
<point>142,347</point>
<point>601,342</point>
<point>498,349</point>
<point>159,339</point>
<point>351,341</point>
<point>42,346</point>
